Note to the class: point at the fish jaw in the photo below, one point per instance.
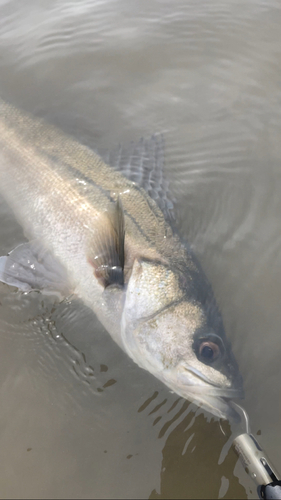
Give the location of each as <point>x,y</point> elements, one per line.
<point>193,386</point>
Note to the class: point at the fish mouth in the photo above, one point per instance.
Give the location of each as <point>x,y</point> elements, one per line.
<point>211,397</point>
<point>205,384</point>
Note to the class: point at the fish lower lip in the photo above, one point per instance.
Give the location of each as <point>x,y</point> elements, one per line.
<point>217,392</point>
<point>215,404</point>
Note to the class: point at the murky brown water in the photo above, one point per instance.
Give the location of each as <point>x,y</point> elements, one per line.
<point>77,417</point>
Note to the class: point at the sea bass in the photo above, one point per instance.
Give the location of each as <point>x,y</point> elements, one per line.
<point>96,232</point>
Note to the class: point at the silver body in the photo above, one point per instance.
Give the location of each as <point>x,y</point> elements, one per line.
<point>61,193</point>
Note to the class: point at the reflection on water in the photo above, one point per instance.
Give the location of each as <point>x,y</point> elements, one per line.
<point>78,418</point>
<point>192,451</point>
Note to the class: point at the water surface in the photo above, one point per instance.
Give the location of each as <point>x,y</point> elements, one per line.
<point>78,418</point>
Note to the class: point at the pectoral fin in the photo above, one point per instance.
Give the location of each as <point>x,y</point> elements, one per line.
<point>107,250</point>
<point>32,267</point>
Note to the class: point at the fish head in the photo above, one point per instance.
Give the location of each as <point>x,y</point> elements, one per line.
<point>180,339</point>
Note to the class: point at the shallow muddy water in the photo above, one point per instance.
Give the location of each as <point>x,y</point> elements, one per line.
<point>78,418</point>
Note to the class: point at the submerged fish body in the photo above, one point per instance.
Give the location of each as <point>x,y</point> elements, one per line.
<point>120,255</point>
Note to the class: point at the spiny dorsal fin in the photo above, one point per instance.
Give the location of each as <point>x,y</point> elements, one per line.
<point>107,254</point>
<point>143,163</point>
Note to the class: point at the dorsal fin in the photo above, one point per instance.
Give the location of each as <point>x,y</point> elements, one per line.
<point>143,163</point>
<point>107,254</point>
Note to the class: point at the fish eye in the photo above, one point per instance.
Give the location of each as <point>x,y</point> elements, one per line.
<point>208,351</point>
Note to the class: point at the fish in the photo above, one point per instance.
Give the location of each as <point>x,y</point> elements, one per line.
<point>105,231</point>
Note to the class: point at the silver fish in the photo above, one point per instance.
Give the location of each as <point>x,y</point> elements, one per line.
<point>110,240</point>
